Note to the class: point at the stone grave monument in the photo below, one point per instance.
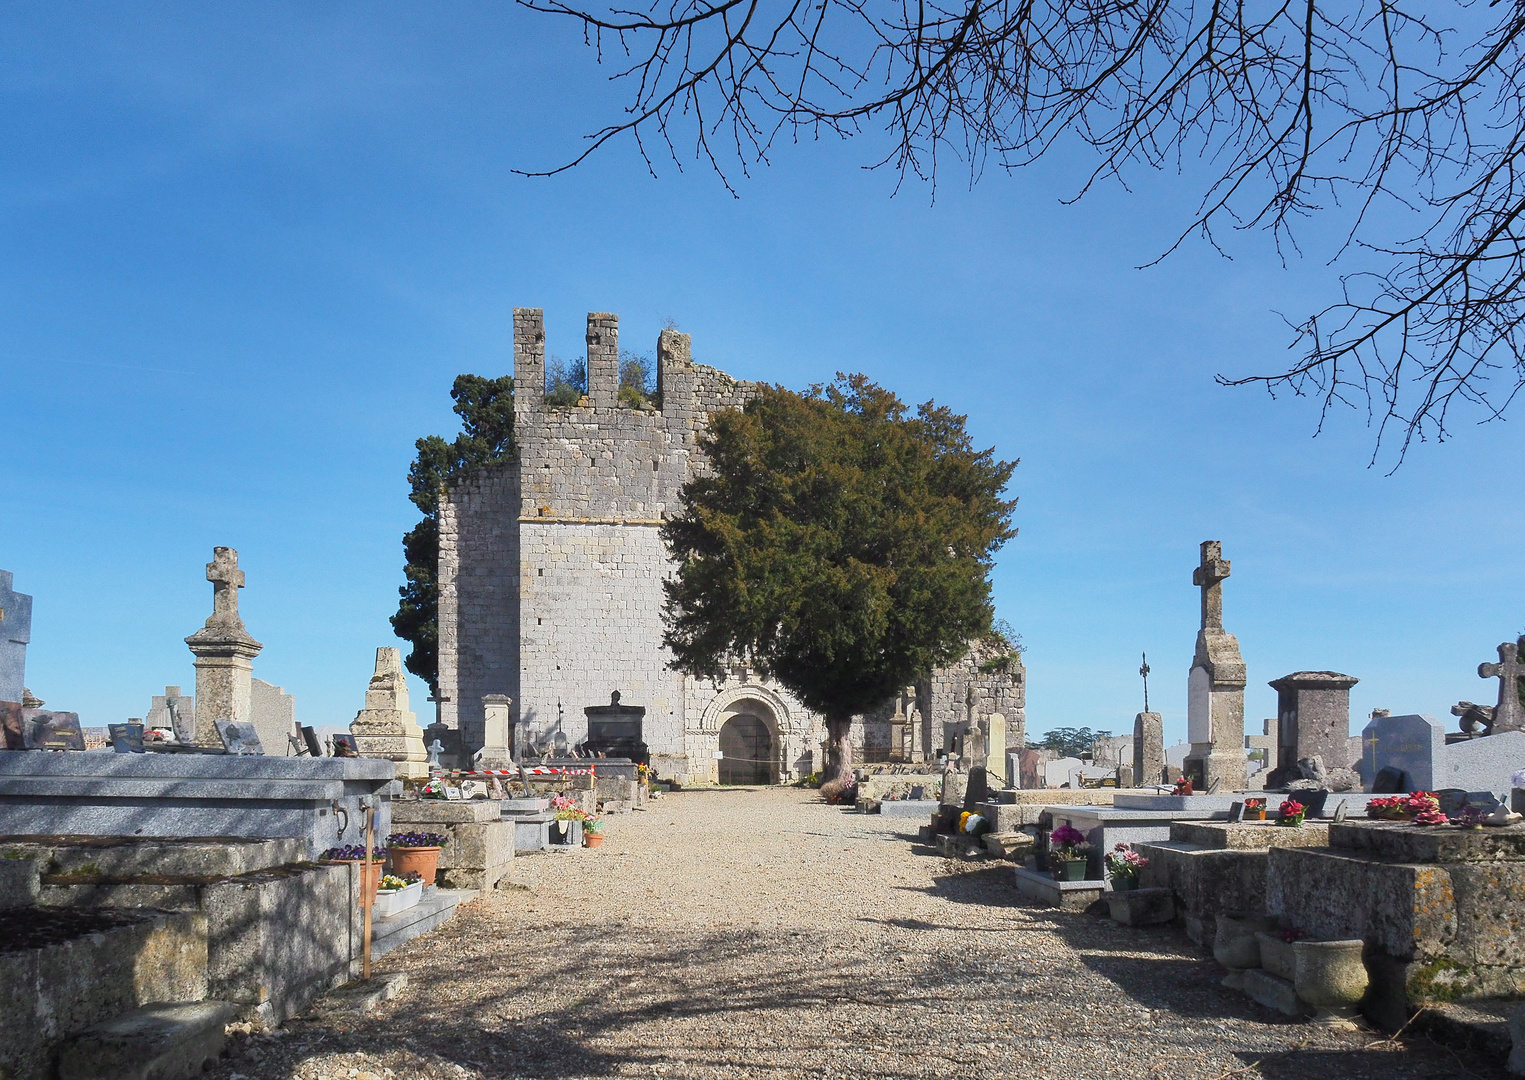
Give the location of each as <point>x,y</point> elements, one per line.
<point>1312,720</point>
<point>1508,714</point>
<point>497,733</point>
<point>1215,687</point>
<point>224,652</point>
<point>173,711</point>
<point>15,633</point>
<point>1405,747</point>
<point>1148,749</point>
<point>387,727</point>
<point>995,750</point>
<point>275,716</point>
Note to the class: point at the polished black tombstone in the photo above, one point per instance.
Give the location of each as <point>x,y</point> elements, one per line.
<point>615,730</point>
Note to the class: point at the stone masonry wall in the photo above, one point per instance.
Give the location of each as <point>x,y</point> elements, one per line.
<point>944,697</point>
<point>478,596</point>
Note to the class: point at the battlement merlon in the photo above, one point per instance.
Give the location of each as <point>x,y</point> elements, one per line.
<point>675,373</point>
<point>604,359</point>
<point>529,362</point>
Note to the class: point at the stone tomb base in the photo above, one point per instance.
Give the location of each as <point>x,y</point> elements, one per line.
<point>1214,867</point>
<point>1438,907</point>
<point>1041,888</point>
<point>315,799</point>
<point>480,852</point>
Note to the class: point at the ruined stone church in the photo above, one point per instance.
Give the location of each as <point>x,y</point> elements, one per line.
<point>550,591</point>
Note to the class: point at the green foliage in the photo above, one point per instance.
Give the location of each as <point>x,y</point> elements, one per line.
<point>638,382</point>
<point>566,381</point>
<point>1072,742</point>
<point>486,409</point>
<point>837,543</point>
<point>1005,645</point>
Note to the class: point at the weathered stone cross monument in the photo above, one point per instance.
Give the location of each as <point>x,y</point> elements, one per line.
<point>1507,714</point>
<point>1215,688</point>
<point>224,653</point>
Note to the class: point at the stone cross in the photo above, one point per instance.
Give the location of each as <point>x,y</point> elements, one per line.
<point>435,748</point>
<point>1507,715</point>
<point>226,579</point>
<point>1209,577</point>
<point>15,633</point>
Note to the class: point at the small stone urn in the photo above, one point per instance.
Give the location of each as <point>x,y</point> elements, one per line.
<point>1235,945</point>
<point>1330,976</point>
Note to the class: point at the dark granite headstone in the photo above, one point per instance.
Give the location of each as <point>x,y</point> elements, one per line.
<point>47,730</point>
<point>15,633</point>
<point>1410,744</point>
<point>126,738</point>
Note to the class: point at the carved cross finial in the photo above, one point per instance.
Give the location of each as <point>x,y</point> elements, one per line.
<point>1508,715</point>
<point>226,579</point>
<point>1209,577</point>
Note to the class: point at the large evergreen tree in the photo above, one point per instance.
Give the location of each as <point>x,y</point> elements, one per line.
<point>486,409</point>
<point>840,545</point>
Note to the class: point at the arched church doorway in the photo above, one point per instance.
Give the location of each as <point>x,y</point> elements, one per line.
<point>746,751</point>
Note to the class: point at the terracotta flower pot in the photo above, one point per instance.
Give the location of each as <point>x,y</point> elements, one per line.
<point>592,839</point>
<point>370,873</point>
<point>423,861</point>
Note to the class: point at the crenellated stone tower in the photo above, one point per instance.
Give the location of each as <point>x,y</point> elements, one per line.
<point>551,570</point>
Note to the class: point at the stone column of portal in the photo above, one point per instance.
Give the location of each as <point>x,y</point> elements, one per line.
<point>1215,688</point>
<point>224,654</point>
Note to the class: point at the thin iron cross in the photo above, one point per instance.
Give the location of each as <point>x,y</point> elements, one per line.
<point>1144,671</point>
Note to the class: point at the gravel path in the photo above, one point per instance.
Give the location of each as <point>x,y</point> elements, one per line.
<point>759,933</point>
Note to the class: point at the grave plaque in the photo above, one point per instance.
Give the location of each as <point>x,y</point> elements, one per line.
<point>1409,744</point>
<point>239,738</point>
<point>46,730</point>
<point>126,738</point>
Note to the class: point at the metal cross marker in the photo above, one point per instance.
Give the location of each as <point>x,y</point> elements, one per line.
<point>1144,671</point>
<point>1507,715</point>
<point>1209,577</point>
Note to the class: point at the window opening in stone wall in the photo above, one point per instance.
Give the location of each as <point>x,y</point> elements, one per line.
<point>566,381</point>
<point>638,381</point>
<point>540,572</point>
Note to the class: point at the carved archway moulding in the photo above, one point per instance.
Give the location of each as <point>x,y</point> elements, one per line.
<point>783,720</point>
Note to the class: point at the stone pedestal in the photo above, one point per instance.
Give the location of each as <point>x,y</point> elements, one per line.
<point>1148,749</point>
<point>497,733</point>
<point>224,652</point>
<point>1312,719</point>
<point>995,751</point>
<point>386,727</point>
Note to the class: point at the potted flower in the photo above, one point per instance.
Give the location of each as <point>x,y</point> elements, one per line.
<point>1123,866</point>
<point>1183,786</point>
<point>397,894</point>
<point>593,832</point>
<point>1254,809</point>
<point>1291,813</point>
<point>1068,853</point>
<point>370,870</point>
<point>566,826</point>
<point>416,853</point>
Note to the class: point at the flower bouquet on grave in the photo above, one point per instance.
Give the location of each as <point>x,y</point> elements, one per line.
<point>1254,809</point>
<point>434,789</point>
<point>416,853</point>
<point>370,870</point>
<point>1388,809</point>
<point>1291,813</point>
<point>1183,786</point>
<point>1068,853</point>
<point>1424,808</point>
<point>1123,866</point>
<point>566,813</point>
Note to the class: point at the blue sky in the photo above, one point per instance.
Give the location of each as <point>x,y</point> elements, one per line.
<point>245,248</point>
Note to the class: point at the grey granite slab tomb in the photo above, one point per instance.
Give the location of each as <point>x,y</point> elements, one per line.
<point>316,799</point>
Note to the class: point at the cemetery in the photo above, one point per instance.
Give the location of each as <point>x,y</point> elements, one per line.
<point>186,890</point>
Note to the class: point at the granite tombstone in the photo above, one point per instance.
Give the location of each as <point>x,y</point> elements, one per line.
<point>1409,745</point>
<point>15,633</point>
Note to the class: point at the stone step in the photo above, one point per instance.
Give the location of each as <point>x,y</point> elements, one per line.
<point>1041,888</point>
<point>434,909</point>
<point>165,1041</point>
